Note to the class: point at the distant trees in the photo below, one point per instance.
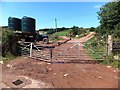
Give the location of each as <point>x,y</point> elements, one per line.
<point>78,31</point>
<point>109,16</point>
<point>75,31</point>
<point>53,30</point>
<point>92,29</point>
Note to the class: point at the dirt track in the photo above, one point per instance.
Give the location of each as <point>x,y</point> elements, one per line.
<point>61,75</point>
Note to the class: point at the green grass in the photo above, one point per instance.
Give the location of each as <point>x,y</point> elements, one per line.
<point>8,57</point>
<point>111,62</point>
<point>54,37</point>
<point>115,64</point>
<point>63,33</point>
<point>94,50</point>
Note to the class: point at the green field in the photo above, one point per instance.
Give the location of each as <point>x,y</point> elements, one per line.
<point>63,33</point>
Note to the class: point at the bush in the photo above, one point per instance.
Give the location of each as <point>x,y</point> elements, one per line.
<point>9,43</point>
<point>55,37</point>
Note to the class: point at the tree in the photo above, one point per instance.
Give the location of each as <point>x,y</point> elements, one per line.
<point>75,31</point>
<point>92,29</point>
<point>117,30</point>
<point>109,16</point>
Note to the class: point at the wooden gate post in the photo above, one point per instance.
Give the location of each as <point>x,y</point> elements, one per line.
<point>109,47</point>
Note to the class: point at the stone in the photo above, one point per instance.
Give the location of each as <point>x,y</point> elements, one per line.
<point>109,66</point>
<point>1,62</point>
<point>65,74</point>
<point>49,69</point>
<point>9,65</point>
<point>99,77</point>
<point>116,57</point>
<point>115,71</point>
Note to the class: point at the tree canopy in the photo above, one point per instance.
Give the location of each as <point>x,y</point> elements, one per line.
<point>109,16</point>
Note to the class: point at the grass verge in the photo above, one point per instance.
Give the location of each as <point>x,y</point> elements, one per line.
<point>97,50</point>
<point>8,57</point>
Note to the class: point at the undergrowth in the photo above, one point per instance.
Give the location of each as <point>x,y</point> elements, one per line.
<point>97,49</point>
<point>8,57</point>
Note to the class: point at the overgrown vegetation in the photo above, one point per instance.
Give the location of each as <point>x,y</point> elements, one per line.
<point>10,46</point>
<point>79,32</point>
<point>72,32</point>
<point>111,61</point>
<point>97,49</point>
<point>53,30</point>
<point>109,16</point>
<point>54,37</point>
<point>64,33</point>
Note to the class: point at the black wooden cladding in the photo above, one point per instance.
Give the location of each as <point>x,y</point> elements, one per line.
<point>116,47</point>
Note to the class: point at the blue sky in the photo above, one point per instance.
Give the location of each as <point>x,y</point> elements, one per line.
<point>68,14</point>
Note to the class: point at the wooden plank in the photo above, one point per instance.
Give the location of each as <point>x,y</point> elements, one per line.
<point>116,45</point>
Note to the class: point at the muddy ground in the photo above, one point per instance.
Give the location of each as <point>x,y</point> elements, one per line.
<point>61,75</point>
<point>39,74</point>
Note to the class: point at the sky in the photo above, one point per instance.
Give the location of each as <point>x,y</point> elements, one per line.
<point>68,14</point>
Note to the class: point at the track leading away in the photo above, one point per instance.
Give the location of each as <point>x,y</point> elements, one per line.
<point>73,51</point>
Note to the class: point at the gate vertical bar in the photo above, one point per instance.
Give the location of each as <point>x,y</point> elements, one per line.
<point>78,49</point>
<point>50,53</point>
<point>30,49</point>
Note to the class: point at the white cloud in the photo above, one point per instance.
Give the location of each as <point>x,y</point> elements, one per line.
<point>97,6</point>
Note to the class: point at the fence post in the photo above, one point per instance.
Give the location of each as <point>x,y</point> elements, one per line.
<point>50,53</point>
<point>30,49</point>
<point>109,50</point>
